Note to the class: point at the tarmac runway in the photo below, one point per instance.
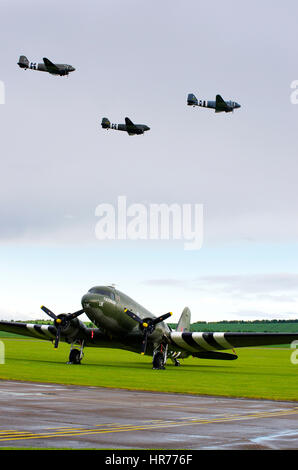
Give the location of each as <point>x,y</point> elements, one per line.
<point>49,415</point>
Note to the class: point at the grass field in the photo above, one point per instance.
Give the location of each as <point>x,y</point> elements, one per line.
<point>257,373</point>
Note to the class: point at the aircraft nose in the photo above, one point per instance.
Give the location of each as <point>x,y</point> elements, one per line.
<point>72,69</point>
<point>89,300</point>
<point>238,105</point>
<point>85,300</point>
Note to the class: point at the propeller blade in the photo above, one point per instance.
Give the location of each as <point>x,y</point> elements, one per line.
<point>133,315</point>
<point>161,318</point>
<point>57,337</point>
<point>61,321</point>
<point>144,342</point>
<point>71,316</point>
<point>48,312</point>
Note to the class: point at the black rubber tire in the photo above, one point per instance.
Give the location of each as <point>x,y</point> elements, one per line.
<point>158,361</point>
<point>74,356</point>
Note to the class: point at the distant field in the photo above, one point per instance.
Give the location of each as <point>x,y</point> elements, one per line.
<point>257,373</point>
<point>258,327</point>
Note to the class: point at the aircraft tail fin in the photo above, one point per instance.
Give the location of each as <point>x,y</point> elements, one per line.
<point>105,123</point>
<point>192,100</point>
<point>184,321</point>
<point>23,62</point>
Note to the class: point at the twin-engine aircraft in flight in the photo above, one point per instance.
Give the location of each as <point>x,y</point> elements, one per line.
<point>129,126</point>
<point>219,105</point>
<point>123,323</point>
<point>46,66</point>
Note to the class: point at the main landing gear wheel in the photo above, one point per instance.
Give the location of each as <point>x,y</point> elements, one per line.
<point>75,356</point>
<point>158,361</point>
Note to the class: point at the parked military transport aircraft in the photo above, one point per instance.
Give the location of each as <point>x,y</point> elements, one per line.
<point>46,66</point>
<point>219,105</point>
<point>129,126</point>
<point>123,323</point>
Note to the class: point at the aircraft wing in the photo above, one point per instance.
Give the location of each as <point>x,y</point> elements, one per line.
<point>220,104</point>
<point>195,342</point>
<point>129,123</point>
<point>52,68</point>
<point>90,336</point>
<point>28,329</point>
<point>131,127</point>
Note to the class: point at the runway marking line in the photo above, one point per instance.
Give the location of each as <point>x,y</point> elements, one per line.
<point>68,432</point>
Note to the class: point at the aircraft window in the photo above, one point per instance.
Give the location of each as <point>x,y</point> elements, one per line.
<point>99,290</point>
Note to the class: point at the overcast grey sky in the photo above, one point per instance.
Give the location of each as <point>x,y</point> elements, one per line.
<point>141,59</point>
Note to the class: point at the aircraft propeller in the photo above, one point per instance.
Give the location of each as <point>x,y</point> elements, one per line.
<point>61,321</point>
<point>147,325</point>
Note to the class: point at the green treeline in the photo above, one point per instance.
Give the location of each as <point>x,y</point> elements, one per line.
<point>262,326</point>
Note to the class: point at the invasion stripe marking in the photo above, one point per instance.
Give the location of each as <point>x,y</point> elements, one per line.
<point>180,343</point>
<point>197,341</point>
<point>43,331</point>
<point>187,336</point>
<point>208,337</point>
<point>201,340</point>
<point>39,330</point>
<point>46,330</point>
<point>220,339</point>
<point>32,329</point>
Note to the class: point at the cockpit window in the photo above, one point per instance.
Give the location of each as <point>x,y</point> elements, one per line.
<point>101,291</point>
<point>98,290</point>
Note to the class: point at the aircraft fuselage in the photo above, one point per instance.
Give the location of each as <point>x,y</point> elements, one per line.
<point>231,105</point>
<point>219,105</point>
<point>105,306</point>
<point>57,69</point>
<point>138,128</point>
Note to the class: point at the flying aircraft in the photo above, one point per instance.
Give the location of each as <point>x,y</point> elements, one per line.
<point>219,105</point>
<point>46,66</point>
<point>123,323</point>
<point>129,126</point>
